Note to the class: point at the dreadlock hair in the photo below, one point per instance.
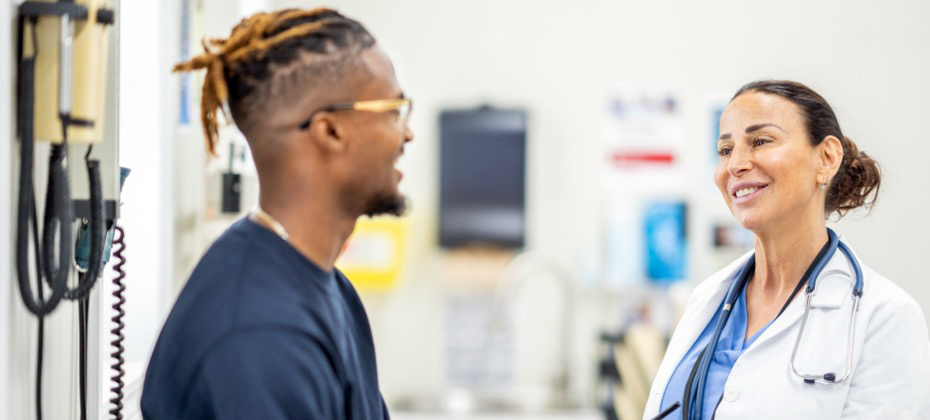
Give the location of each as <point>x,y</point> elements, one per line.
<point>271,59</point>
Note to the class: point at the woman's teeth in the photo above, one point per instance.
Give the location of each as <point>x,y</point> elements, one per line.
<point>745,191</point>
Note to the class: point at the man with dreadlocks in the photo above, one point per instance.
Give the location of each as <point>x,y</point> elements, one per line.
<point>266,327</point>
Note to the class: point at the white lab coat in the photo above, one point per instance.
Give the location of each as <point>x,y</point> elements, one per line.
<point>891,352</point>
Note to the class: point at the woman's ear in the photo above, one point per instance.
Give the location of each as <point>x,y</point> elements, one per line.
<point>830,154</point>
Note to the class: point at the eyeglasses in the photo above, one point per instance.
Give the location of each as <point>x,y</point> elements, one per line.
<point>403,106</point>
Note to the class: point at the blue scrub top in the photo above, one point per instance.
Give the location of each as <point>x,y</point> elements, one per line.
<point>731,345</point>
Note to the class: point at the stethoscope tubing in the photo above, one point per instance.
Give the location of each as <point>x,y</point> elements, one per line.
<point>696,396</point>
<point>830,378</point>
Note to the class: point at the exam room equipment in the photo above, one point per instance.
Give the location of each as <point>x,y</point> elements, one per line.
<point>64,108</point>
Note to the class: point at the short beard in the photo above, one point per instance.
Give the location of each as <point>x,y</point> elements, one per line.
<point>392,204</point>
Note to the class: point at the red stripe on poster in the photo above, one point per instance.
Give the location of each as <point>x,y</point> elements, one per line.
<point>624,158</point>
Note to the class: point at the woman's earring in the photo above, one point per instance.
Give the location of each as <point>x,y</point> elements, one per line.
<point>823,186</point>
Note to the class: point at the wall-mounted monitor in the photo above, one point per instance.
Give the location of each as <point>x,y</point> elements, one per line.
<point>482,181</point>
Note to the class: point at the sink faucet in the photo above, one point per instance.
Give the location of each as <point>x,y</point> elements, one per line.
<point>512,278</point>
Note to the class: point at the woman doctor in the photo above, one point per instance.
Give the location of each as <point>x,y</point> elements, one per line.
<point>785,167</point>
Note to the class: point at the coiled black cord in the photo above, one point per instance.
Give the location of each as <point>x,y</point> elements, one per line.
<point>116,402</point>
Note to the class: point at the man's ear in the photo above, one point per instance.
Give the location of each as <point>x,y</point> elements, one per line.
<point>327,132</point>
<point>830,154</point>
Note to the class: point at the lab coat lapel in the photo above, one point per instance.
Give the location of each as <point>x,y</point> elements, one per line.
<point>834,285</point>
<point>705,303</point>
<point>790,317</point>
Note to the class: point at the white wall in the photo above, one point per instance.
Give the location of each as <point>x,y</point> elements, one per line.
<point>868,58</point>
<point>147,100</point>
<point>7,237</point>
<point>555,58</point>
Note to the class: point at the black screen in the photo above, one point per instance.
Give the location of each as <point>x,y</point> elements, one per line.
<point>482,188</point>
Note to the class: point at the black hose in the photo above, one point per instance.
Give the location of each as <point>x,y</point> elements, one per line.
<point>58,209</point>
<point>40,345</point>
<point>58,214</point>
<point>39,306</point>
<point>87,279</point>
<point>82,352</point>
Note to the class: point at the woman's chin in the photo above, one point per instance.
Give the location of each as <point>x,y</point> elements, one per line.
<point>750,222</point>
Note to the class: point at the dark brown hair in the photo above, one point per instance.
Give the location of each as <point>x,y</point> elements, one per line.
<point>857,182</point>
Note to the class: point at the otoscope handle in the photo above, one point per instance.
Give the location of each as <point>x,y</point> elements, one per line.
<point>66,58</point>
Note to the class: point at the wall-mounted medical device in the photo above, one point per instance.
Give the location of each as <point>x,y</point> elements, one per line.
<point>65,98</point>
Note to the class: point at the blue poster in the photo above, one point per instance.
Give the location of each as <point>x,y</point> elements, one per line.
<point>716,113</point>
<point>184,54</point>
<point>666,241</point>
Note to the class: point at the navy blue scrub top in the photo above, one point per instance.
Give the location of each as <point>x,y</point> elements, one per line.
<point>260,332</point>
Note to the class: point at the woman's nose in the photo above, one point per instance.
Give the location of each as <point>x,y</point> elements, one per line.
<point>740,161</point>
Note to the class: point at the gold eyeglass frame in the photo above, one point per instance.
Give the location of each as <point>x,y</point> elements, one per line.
<point>403,105</point>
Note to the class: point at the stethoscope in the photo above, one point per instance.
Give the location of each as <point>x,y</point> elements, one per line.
<point>695,387</point>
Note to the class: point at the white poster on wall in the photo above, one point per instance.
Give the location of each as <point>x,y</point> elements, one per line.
<point>642,138</point>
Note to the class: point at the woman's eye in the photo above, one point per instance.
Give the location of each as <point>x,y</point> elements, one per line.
<point>760,142</point>
<point>724,152</point>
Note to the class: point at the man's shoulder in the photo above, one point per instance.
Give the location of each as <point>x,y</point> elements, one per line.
<point>244,266</point>
<point>251,360</point>
<point>237,284</point>
<point>241,242</point>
